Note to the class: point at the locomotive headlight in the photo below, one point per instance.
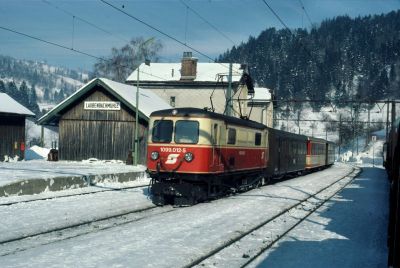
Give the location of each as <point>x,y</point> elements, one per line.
<point>154,155</point>
<point>189,157</point>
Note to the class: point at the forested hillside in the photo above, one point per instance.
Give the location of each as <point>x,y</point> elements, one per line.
<point>342,59</point>
<point>37,85</point>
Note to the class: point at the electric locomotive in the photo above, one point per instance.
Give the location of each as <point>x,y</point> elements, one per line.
<point>194,155</point>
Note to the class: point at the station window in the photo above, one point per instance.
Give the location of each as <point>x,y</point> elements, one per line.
<point>231,136</point>
<point>257,139</point>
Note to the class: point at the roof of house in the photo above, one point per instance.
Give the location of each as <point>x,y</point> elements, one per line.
<point>11,106</point>
<point>262,93</point>
<point>170,72</point>
<point>148,101</point>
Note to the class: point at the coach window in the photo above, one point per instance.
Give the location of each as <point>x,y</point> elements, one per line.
<point>187,131</point>
<point>257,139</point>
<point>231,136</point>
<point>162,131</point>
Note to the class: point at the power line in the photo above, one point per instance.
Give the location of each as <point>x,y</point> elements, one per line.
<point>73,50</point>
<point>161,32</point>
<point>305,12</point>
<point>83,20</point>
<point>277,16</point>
<point>209,23</point>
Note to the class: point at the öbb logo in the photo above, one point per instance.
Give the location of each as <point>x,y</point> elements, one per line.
<point>172,158</point>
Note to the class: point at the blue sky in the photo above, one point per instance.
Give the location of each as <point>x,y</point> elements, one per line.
<point>237,19</point>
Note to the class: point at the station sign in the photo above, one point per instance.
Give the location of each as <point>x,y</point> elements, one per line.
<point>103,105</point>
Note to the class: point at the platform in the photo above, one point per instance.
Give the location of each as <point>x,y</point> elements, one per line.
<point>37,176</point>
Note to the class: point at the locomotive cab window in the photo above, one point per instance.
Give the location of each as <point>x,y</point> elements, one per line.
<point>231,136</point>
<point>257,139</point>
<point>162,131</point>
<point>187,131</point>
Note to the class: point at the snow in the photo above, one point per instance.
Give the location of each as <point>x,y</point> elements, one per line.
<point>317,128</point>
<point>148,101</point>
<point>41,169</point>
<point>348,231</point>
<point>36,152</point>
<point>33,132</point>
<point>262,93</point>
<point>9,105</point>
<point>206,72</point>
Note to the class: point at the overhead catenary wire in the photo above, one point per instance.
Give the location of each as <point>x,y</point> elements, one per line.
<point>209,23</point>
<point>161,32</point>
<point>305,12</point>
<point>71,49</point>
<point>83,20</point>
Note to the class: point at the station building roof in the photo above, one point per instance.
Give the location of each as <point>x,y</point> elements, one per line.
<point>10,106</point>
<point>148,101</point>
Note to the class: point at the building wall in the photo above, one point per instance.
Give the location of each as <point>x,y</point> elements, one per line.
<point>199,97</point>
<point>101,134</point>
<point>262,113</point>
<point>12,136</point>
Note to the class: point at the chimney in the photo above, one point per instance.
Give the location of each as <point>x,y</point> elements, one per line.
<point>189,66</point>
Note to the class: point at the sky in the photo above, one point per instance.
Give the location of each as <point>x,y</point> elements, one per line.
<point>94,27</point>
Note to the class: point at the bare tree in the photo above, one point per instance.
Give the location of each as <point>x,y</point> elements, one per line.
<point>124,60</point>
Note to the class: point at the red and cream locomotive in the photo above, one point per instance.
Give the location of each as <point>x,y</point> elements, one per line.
<point>194,155</point>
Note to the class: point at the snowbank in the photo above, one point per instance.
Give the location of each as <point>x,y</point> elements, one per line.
<point>36,152</point>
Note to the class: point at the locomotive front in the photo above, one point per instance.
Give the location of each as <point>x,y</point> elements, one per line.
<point>179,154</point>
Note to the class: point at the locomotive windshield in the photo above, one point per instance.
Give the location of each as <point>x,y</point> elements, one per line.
<point>162,131</point>
<point>186,131</point>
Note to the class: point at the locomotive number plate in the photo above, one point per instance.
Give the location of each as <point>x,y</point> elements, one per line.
<point>172,150</point>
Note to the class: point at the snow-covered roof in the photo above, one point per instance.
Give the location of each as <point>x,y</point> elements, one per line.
<point>206,72</point>
<point>148,101</point>
<point>262,93</point>
<point>11,106</point>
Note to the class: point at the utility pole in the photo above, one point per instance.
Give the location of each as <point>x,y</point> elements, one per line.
<point>387,120</point>
<point>298,119</point>
<point>340,136</point>
<point>42,136</point>
<point>369,127</point>
<point>393,115</point>
<point>229,93</point>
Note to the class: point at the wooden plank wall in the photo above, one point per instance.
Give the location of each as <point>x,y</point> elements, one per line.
<point>12,132</point>
<point>98,134</point>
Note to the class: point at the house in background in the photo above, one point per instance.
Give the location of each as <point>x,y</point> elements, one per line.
<point>199,85</point>
<point>12,128</point>
<point>260,106</point>
<point>98,121</point>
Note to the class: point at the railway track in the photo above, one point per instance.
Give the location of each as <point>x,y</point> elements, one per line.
<point>28,241</point>
<point>244,248</point>
<point>71,195</point>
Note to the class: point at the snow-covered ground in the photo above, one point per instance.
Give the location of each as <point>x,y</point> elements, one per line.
<point>349,231</point>
<point>41,169</point>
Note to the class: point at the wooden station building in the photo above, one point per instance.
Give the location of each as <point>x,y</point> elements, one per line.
<point>98,121</point>
<point>12,128</point>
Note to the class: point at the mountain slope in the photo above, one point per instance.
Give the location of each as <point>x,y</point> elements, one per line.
<point>37,85</point>
<point>342,59</point>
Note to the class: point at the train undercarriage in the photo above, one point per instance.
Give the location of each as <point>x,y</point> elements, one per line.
<point>187,189</point>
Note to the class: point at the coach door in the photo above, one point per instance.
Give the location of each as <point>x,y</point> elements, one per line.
<point>216,147</point>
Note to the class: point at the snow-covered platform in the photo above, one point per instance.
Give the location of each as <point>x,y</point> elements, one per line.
<point>37,176</point>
